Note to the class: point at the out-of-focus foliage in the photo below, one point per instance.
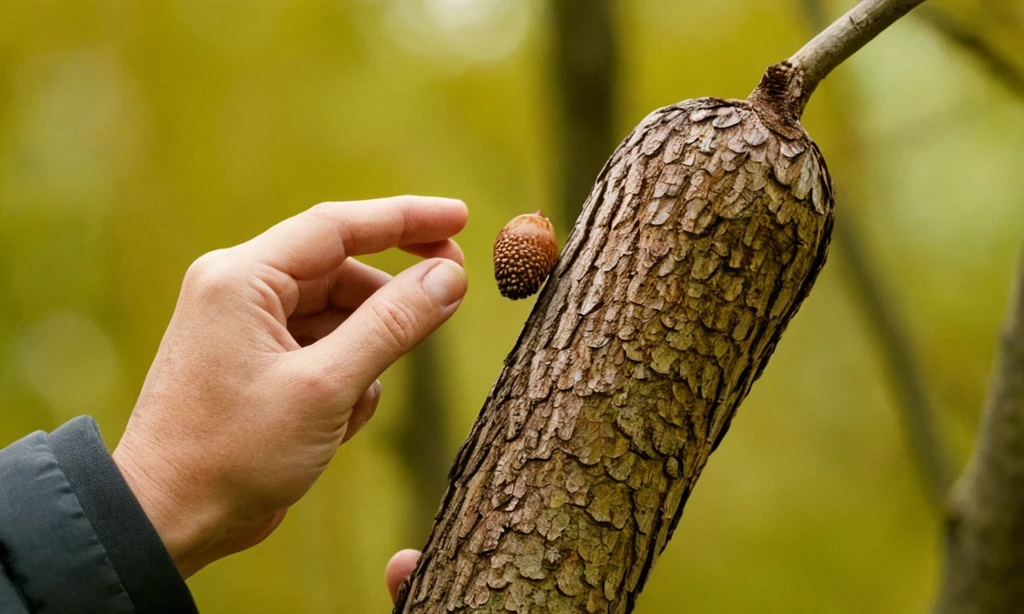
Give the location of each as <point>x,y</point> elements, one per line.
<point>135,136</point>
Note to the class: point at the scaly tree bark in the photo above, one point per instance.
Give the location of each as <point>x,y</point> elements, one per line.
<point>984,533</point>
<point>700,239</point>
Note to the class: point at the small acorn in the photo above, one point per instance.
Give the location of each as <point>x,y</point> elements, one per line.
<point>524,254</point>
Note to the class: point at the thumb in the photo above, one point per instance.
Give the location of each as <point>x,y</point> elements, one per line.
<point>390,323</point>
<point>399,568</point>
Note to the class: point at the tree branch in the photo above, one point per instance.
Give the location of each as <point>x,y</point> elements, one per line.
<point>1000,68</point>
<point>914,406</point>
<point>984,560</point>
<point>839,41</point>
<point>668,299</point>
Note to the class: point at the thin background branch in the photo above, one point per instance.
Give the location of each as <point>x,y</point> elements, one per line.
<point>975,45</point>
<point>834,43</point>
<point>1002,69</point>
<point>881,311</point>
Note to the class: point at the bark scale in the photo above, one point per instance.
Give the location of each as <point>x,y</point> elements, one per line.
<point>703,234</point>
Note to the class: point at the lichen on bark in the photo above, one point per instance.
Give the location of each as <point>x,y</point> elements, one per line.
<point>703,234</point>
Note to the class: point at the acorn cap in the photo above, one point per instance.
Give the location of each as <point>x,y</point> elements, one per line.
<point>524,254</point>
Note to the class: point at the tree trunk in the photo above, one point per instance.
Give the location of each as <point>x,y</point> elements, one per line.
<point>984,558</point>
<point>704,233</point>
<point>696,246</point>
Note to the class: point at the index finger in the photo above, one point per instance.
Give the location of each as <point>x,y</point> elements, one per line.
<point>315,242</point>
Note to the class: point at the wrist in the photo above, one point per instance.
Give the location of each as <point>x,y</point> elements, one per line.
<point>184,529</point>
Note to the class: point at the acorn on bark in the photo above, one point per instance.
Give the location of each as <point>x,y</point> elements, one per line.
<point>524,254</point>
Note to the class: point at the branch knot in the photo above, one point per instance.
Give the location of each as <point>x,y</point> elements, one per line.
<point>777,99</point>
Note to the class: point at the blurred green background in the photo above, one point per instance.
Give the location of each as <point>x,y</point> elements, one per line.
<point>135,136</point>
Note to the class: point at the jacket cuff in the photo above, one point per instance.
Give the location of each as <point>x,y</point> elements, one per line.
<point>133,546</point>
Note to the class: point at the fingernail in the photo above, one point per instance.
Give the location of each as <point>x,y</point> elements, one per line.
<point>376,392</point>
<point>354,428</point>
<point>445,282</point>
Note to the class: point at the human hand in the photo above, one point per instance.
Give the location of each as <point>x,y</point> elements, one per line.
<point>270,362</point>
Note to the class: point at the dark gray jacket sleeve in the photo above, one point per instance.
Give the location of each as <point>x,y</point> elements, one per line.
<point>73,538</point>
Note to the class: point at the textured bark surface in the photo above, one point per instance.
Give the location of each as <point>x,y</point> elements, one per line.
<point>700,239</point>
<point>984,562</point>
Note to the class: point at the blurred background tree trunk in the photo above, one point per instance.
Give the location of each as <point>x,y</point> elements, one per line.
<point>420,438</point>
<point>585,67</point>
<point>984,532</point>
<point>983,566</point>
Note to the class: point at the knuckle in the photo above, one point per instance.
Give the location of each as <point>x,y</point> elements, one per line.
<point>404,201</point>
<point>210,274</point>
<point>401,207</point>
<point>398,324</point>
<point>331,214</point>
<point>317,384</point>
<point>324,209</point>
